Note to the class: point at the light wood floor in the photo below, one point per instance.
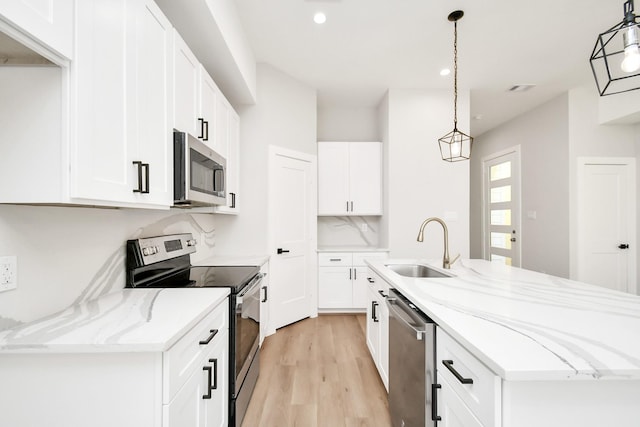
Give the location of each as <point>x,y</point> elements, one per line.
<point>316,373</point>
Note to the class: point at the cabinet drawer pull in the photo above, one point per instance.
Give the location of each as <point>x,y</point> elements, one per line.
<point>233,200</point>
<point>434,402</point>
<point>382,294</point>
<point>214,332</point>
<point>335,259</point>
<point>208,370</point>
<point>370,280</point>
<point>215,374</point>
<point>449,366</point>
<point>374,314</point>
<point>265,294</point>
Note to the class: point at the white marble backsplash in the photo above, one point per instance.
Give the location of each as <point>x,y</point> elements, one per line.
<point>69,255</point>
<point>350,231</point>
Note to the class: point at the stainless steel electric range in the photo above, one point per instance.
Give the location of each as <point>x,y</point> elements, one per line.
<point>165,262</point>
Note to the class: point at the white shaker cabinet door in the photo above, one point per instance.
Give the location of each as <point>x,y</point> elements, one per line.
<point>365,178</point>
<point>101,165</point>
<point>334,287</point>
<point>153,97</point>
<point>333,178</point>
<point>185,87</point>
<point>452,410</point>
<point>207,117</point>
<point>50,21</point>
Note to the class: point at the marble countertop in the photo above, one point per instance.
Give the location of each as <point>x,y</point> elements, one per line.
<point>529,326</point>
<point>131,320</point>
<point>350,249</point>
<point>219,260</point>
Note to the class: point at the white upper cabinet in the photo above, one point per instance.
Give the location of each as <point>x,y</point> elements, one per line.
<point>349,178</point>
<point>122,79</point>
<point>186,87</point>
<point>232,136</point>
<point>48,21</point>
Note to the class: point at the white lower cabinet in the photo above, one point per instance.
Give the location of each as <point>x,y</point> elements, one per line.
<point>378,324</point>
<point>264,302</point>
<point>342,279</point>
<point>130,388</point>
<point>202,401</point>
<point>472,391</point>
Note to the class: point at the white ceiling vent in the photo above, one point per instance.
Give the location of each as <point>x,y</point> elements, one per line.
<point>520,88</point>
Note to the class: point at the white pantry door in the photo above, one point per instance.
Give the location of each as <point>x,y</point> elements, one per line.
<point>606,223</point>
<point>292,216</point>
<point>501,201</point>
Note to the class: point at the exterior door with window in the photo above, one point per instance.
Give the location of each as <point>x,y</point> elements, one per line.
<point>502,207</point>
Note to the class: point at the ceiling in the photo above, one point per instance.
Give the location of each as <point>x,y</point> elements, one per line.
<point>368,46</point>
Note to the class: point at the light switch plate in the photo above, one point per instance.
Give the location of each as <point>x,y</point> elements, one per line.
<point>8,273</point>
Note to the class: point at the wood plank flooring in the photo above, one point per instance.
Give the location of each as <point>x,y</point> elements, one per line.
<point>316,373</point>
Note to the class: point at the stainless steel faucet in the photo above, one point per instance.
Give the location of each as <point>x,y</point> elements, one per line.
<point>445,258</point>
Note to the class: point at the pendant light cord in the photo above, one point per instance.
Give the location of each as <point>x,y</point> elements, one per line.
<point>455,75</point>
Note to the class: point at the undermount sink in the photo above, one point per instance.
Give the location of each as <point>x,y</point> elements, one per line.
<point>416,270</point>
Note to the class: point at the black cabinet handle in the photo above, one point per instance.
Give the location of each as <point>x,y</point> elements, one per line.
<point>374,314</point>
<point>206,131</point>
<point>347,206</point>
<point>139,189</point>
<point>350,278</point>
<point>623,246</point>
<point>146,178</point>
<point>335,259</point>
<point>370,280</point>
<point>449,366</point>
<point>282,251</point>
<point>351,206</point>
<point>211,384</point>
<point>215,374</point>
<point>201,120</point>
<point>214,332</point>
<point>434,402</point>
<point>265,294</point>
<point>233,200</point>
<point>381,292</point>
<point>355,274</point>
<point>208,369</point>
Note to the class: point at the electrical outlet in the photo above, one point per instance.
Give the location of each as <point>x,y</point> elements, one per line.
<point>364,227</point>
<point>8,273</point>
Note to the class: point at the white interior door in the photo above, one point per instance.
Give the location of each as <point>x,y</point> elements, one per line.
<point>501,200</point>
<point>292,215</point>
<point>606,223</point>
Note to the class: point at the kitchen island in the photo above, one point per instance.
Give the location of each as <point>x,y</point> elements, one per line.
<point>564,353</point>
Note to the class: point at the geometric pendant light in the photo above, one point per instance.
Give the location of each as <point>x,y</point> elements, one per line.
<point>615,60</point>
<point>455,146</point>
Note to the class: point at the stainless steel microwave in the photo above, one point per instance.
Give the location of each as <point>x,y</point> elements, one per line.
<point>199,173</point>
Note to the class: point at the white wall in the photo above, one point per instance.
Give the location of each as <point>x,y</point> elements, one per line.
<point>348,124</point>
<point>284,115</point>
<point>542,135</point>
<point>68,255</point>
<point>419,183</point>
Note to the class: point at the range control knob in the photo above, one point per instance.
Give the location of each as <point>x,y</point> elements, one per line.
<point>192,242</point>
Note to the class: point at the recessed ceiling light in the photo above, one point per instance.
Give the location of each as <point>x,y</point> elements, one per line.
<point>445,72</point>
<point>319,18</point>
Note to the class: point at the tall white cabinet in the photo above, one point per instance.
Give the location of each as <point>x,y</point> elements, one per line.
<point>349,178</point>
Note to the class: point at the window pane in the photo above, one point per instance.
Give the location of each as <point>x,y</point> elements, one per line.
<point>501,217</point>
<point>501,171</point>
<point>501,194</point>
<point>501,240</point>
<point>501,259</point>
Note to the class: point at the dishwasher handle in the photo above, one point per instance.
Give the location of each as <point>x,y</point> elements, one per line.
<point>398,310</point>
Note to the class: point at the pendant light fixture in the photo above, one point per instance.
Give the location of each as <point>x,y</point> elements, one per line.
<point>615,60</point>
<point>455,146</point>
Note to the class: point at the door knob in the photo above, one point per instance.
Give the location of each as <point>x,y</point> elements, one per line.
<point>623,246</point>
<point>282,251</point>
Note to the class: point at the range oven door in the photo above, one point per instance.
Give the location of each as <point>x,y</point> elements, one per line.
<point>247,338</point>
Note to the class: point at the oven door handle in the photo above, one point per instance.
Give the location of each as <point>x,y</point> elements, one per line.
<point>251,286</point>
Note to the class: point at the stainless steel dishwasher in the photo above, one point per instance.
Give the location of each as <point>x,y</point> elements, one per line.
<point>412,358</point>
